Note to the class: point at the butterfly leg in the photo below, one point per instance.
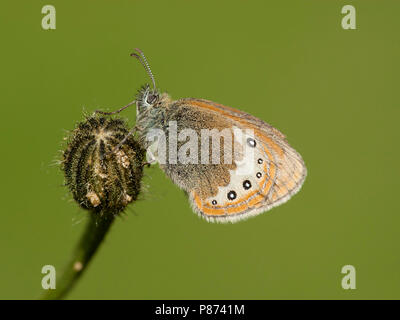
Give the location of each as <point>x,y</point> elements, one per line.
<point>148,164</point>
<point>151,158</point>
<point>132,131</point>
<point>116,111</point>
<point>152,153</point>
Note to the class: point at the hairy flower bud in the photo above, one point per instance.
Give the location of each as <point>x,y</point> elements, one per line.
<point>102,175</point>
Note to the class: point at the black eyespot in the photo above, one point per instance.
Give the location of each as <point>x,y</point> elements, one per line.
<point>246,184</point>
<point>258,175</point>
<point>231,195</point>
<point>260,161</point>
<point>214,202</point>
<point>251,142</point>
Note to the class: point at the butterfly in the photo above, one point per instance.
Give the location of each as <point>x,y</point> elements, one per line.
<point>255,169</point>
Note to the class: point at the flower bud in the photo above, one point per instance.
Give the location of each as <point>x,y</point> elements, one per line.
<point>102,175</point>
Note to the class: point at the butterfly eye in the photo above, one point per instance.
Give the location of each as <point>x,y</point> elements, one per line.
<point>151,98</point>
<point>214,202</point>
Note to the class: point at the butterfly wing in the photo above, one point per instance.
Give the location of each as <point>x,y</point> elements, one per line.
<point>272,176</point>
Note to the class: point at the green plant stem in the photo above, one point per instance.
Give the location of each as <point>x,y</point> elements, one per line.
<point>94,234</point>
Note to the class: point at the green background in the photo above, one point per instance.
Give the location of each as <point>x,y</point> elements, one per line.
<point>333,92</point>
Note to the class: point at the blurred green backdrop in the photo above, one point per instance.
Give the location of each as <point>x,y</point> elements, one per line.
<point>333,92</point>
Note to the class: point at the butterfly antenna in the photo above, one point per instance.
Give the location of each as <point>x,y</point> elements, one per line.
<point>141,57</point>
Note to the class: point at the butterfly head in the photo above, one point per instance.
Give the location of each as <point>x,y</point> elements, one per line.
<point>147,98</point>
